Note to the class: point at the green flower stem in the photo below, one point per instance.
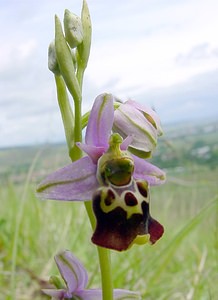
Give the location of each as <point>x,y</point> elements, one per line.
<point>85,119</point>
<point>66,111</point>
<point>106,273</point>
<point>104,260</point>
<point>79,75</point>
<point>76,152</point>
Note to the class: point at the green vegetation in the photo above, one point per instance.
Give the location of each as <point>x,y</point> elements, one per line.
<point>188,143</point>
<point>182,265</point>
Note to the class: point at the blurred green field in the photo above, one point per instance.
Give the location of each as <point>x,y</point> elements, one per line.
<point>182,265</point>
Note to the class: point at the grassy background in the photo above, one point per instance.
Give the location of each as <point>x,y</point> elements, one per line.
<point>182,265</point>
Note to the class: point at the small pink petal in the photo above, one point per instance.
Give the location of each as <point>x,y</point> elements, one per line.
<point>93,152</point>
<point>126,142</point>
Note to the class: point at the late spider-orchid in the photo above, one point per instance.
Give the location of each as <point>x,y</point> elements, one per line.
<point>114,179</point>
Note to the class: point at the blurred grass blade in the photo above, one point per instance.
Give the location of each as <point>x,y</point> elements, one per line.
<point>161,261</point>
<point>197,276</point>
<point>19,217</point>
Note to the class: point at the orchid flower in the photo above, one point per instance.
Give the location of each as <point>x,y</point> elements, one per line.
<point>117,181</point>
<point>76,279</point>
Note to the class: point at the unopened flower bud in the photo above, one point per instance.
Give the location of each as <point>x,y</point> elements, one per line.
<point>52,59</point>
<point>73,29</point>
<point>64,58</point>
<point>83,50</point>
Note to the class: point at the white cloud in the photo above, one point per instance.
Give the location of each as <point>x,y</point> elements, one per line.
<point>26,48</point>
<point>146,59</point>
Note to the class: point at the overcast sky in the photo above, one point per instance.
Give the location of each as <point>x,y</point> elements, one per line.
<point>162,53</point>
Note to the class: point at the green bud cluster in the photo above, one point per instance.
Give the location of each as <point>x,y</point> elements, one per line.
<point>68,56</point>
